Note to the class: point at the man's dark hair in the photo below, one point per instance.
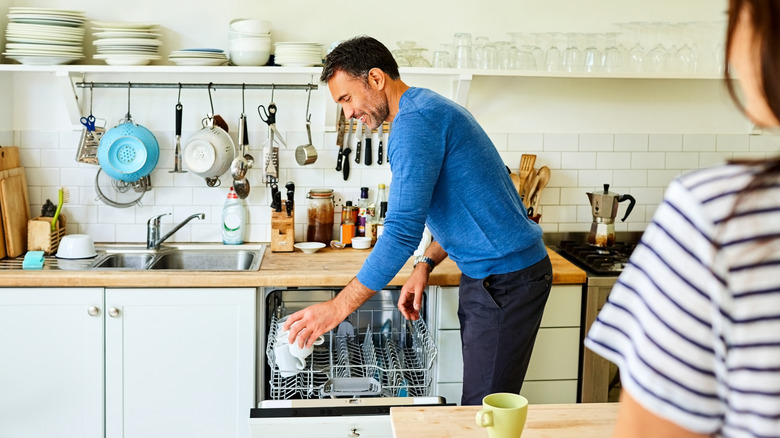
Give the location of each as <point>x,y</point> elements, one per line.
<point>357,56</point>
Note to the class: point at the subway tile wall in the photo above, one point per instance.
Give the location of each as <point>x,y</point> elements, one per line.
<point>639,164</point>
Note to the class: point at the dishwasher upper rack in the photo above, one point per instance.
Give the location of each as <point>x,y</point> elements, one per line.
<point>394,362</point>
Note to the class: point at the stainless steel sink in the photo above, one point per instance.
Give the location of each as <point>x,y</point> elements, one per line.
<point>123,261</point>
<point>236,260</point>
<point>190,257</point>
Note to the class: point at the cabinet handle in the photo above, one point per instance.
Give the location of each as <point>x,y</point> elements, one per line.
<point>93,311</point>
<point>353,434</point>
<point>113,312</point>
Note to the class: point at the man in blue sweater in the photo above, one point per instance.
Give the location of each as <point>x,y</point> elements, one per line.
<point>446,174</point>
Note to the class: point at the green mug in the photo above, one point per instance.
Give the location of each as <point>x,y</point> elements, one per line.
<point>503,414</point>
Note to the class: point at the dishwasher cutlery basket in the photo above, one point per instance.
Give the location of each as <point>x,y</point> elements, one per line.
<point>395,361</point>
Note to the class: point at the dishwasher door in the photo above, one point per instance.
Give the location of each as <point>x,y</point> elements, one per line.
<point>375,352</point>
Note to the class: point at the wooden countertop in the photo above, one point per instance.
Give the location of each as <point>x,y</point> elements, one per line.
<point>327,267</point>
<point>583,420</point>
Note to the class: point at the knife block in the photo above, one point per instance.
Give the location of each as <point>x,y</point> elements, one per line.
<point>282,231</point>
<point>40,237</point>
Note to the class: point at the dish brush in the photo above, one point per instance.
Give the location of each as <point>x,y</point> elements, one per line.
<point>63,196</point>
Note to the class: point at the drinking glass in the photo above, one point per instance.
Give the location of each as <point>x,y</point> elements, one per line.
<point>553,60</point>
<point>573,58</point>
<point>594,60</point>
<point>418,60</point>
<point>683,60</point>
<point>539,50</point>
<point>462,44</point>
<point>488,57</point>
<point>636,54</point>
<point>525,59</point>
<point>401,58</point>
<point>612,57</point>
<point>656,60</point>
<point>441,59</point>
<point>507,55</point>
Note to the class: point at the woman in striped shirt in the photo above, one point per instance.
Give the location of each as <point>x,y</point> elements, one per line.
<point>694,320</point>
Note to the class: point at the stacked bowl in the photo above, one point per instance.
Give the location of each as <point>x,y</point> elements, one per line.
<point>123,43</point>
<point>39,36</point>
<point>250,42</point>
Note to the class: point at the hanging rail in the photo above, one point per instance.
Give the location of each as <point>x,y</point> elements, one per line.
<point>84,84</point>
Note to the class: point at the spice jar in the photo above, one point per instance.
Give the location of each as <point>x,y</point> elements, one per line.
<point>320,205</point>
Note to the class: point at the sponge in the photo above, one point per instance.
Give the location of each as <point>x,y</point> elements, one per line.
<point>33,260</point>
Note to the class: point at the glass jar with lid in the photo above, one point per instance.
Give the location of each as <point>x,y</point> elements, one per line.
<point>320,209</point>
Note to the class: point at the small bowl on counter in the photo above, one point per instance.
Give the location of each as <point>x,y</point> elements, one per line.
<point>361,242</point>
<point>309,247</point>
<point>76,246</point>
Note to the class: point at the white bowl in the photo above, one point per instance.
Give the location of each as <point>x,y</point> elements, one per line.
<point>249,57</point>
<point>250,44</point>
<point>250,25</point>
<point>76,246</point>
<point>361,242</point>
<point>310,247</point>
<point>235,35</point>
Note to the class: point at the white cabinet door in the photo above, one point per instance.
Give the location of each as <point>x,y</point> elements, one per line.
<point>179,362</point>
<point>51,363</point>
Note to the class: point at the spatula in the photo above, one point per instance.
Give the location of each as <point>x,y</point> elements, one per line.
<point>527,162</point>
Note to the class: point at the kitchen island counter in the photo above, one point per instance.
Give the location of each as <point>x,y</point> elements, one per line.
<point>583,420</point>
<point>328,267</point>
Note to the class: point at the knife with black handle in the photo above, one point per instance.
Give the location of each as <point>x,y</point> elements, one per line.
<point>340,139</point>
<point>347,151</point>
<point>290,197</point>
<point>380,153</point>
<point>368,158</point>
<point>359,132</point>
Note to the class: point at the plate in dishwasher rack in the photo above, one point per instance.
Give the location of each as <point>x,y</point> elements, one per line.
<point>351,387</point>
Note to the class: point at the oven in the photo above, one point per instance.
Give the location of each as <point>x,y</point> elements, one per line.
<point>599,378</point>
<point>373,360</point>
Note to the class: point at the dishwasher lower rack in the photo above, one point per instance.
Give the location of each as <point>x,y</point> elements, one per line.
<point>356,361</point>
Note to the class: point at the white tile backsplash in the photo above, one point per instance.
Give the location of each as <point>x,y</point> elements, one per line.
<point>640,164</point>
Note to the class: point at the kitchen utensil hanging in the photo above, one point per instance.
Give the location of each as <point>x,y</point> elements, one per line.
<point>240,166</point>
<point>177,149</point>
<point>271,152</point>
<point>128,152</point>
<point>90,136</point>
<point>120,194</point>
<point>306,154</point>
<point>210,150</point>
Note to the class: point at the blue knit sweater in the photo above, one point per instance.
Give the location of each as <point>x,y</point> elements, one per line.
<point>448,174</point>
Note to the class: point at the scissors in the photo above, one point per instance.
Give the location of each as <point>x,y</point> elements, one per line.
<point>269,117</point>
<point>89,122</point>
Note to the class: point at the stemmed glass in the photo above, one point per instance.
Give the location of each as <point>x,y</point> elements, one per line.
<point>553,61</point>
<point>656,60</point>
<point>636,54</point>
<point>573,58</point>
<point>539,50</point>
<point>612,58</point>
<point>684,59</point>
<point>594,60</point>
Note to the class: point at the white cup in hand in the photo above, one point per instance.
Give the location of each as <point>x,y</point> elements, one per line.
<point>301,353</point>
<point>285,361</point>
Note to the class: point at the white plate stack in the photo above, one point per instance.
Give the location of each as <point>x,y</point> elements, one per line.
<point>41,36</point>
<point>121,43</point>
<point>298,54</point>
<point>198,56</point>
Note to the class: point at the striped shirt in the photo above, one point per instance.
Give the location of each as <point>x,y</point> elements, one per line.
<point>694,329</point>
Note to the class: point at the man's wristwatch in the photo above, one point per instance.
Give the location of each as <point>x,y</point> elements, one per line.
<point>422,258</point>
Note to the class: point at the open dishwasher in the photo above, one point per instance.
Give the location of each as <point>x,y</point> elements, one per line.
<point>373,360</point>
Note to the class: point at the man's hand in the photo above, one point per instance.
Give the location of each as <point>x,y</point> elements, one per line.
<point>308,324</point>
<point>410,301</point>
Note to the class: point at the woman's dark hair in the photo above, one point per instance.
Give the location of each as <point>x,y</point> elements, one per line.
<point>765,23</point>
<point>357,56</point>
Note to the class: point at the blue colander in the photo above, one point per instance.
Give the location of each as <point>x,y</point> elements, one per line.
<point>128,152</point>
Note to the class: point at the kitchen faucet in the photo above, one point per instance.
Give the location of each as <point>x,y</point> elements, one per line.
<point>153,239</point>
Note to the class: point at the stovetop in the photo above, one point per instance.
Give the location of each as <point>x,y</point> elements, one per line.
<point>593,259</point>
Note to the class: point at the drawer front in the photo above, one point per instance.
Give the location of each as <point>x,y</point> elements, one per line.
<point>563,308</point>
<point>369,426</point>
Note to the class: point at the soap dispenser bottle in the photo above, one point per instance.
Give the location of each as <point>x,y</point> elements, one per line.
<point>233,219</point>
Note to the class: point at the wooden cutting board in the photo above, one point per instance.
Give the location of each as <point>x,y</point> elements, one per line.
<point>15,210</point>
<point>9,157</point>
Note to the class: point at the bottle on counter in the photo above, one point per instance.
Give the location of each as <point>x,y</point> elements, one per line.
<point>347,224</point>
<point>233,219</point>
<point>362,208</point>
<point>321,212</point>
<point>380,224</point>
